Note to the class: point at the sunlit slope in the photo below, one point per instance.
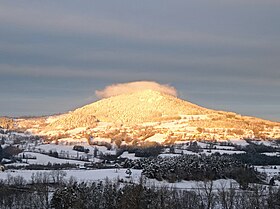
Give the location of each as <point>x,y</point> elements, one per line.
<point>134,108</point>
<point>176,117</point>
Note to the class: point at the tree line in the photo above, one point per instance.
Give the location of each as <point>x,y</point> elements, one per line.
<point>53,191</point>
<point>193,167</point>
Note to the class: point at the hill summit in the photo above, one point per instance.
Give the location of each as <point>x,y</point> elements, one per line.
<point>132,108</point>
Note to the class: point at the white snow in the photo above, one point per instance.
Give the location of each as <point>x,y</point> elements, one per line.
<point>43,159</point>
<point>185,152</point>
<point>174,125</point>
<point>102,140</point>
<point>224,147</point>
<point>202,145</point>
<point>230,152</point>
<point>207,152</point>
<point>52,119</point>
<point>80,175</point>
<point>73,141</point>
<point>182,142</point>
<point>58,148</point>
<point>150,124</point>
<point>76,130</point>
<point>113,174</point>
<point>240,142</point>
<point>193,117</point>
<point>159,138</point>
<point>271,171</point>
<point>271,153</point>
<point>129,156</point>
<point>169,155</point>
<point>266,143</point>
<point>193,185</point>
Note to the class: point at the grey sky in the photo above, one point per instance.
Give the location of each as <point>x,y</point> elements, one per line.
<point>219,54</point>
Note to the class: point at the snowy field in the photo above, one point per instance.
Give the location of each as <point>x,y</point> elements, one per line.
<point>42,151</point>
<point>159,138</point>
<point>267,143</point>
<point>42,159</point>
<point>240,142</point>
<point>270,171</point>
<point>207,152</point>
<point>67,149</point>
<point>229,152</point>
<point>79,175</point>
<point>120,174</point>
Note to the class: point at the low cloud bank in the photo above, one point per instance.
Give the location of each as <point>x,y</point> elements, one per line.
<point>131,87</point>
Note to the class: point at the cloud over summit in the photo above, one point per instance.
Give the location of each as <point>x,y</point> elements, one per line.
<point>131,87</point>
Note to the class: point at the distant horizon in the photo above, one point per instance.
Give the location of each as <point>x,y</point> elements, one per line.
<point>223,55</point>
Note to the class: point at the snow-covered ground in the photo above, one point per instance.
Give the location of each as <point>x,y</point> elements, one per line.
<point>229,152</point>
<point>42,159</point>
<point>202,145</point>
<point>208,152</point>
<point>68,150</point>
<point>159,138</point>
<point>185,152</point>
<point>169,155</point>
<point>76,130</point>
<point>102,140</point>
<point>270,171</point>
<point>69,140</point>
<point>271,153</point>
<point>267,143</point>
<point>224,147</point>
<point>174,125</point>
<point>113,174</point>
<point>79,175</point>
<point>182,142</point>
<point>240,142</point>
<point>129,156</point>
<point>193,185</point>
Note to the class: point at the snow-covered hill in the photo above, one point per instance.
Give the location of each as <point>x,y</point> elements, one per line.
<point>142,114</point>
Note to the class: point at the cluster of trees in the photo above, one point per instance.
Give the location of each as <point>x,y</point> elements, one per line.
<point>257,159</point>
<point>192,167</point>
<point>9,152</point>
<point>143,149</point>
<point>151,151</point>
<point>147,149</point>
<point>80,148</point>
<point>56,193</point>
<point>256,148</point>
<point>49,166</point>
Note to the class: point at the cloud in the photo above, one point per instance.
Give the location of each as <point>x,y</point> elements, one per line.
<point>125,88</point>
<point>65,23</point>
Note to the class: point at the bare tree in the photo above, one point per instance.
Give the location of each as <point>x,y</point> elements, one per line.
<point>226,196</point>
<point>206,194</point>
